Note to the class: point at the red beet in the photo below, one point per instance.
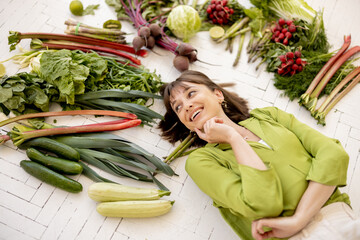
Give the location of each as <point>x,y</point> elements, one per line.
<point>138,42</point>
<point>181,63</point>
<point>150,42</point>
<point>185,49</point>
<point>192,57</point>
<point>155,30</point>
<point>144,32</point>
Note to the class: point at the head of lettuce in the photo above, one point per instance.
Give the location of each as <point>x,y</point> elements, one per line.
<point>184,22</point>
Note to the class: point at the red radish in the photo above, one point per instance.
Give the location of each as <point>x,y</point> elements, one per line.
<point>226,9</point>
<point>281,36</point>
<point>138,42</point>
<point>220,21</point>
<point>224,2</point>
<point>292,28</point>
<point>286,41</point>
<point>294,67</point>
<point>281,71</point>
<point>297,53</point>
<point>181,63</point>
<point>284,30</point>
<point>300,68</point>
<point>288,35</point>
<point>298,61</point>
<point>209,10</point>
<point>289,22</point>
<point>222,14</point>
<point>290,62</point>
<point>281,21</point>
<point>284,65</point>
<point>218,8</point>
<point>277,33</point>
<point>231,11</point>
<point>282,58</point>
<point>277,40</point>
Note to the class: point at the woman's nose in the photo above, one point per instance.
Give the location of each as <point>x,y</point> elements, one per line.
<point>189,106</point>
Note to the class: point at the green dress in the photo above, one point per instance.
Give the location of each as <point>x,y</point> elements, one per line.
<point>296,155</point>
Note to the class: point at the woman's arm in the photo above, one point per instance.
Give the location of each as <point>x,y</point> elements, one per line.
<point>311,202</point>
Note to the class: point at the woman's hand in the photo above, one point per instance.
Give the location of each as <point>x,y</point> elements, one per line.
<point>281,227</point>
<point>215,131</point>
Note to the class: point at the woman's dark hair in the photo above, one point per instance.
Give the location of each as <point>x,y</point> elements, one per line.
<point>173,130</point>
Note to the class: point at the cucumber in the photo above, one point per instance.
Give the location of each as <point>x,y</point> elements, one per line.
<point>51,145</point>
<point>57,164</point>
<point>51,177</point>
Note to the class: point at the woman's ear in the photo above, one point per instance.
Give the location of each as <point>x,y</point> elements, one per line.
<point>219,94</point>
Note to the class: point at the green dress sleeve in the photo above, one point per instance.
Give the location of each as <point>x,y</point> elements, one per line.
<point>329,159</point>
<point>244,190</point>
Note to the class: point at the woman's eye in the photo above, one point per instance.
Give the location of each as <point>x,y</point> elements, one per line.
<point>177,108</point>
<point>191,93</point>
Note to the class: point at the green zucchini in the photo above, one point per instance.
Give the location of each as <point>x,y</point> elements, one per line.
<point>51,177</point>
<point>57,164</point>
<point>51,145</point>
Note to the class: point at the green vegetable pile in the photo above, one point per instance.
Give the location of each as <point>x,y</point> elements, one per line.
<point>60,76</point>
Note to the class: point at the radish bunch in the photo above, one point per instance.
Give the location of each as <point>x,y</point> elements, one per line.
<point>147,36</point>
<point>291,63</point>
<point>219,12</point>
<point>283,31</point>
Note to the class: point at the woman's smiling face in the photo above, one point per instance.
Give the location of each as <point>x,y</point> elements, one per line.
<point>194,104</point>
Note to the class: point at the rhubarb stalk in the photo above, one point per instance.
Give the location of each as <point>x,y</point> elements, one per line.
<point>20,137</point>
<point>15,37</point>
<point>69,113</point>
<point>311,105</point>
<point>334,97</point>
<point>55,44</point>
<point>4,138</point>
<point>304,99</point>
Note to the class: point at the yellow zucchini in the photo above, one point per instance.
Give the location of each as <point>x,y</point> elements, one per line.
<point>108,192</point>
<point>134,209</point>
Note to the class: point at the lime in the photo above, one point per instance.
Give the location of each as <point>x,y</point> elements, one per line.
<point>76,7</point>
<point>216,32</point>
<point>2,70</point>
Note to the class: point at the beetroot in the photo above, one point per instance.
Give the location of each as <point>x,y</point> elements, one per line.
<point>150,42</point>
<point>155,30</point>
<point>185,49</point>
<point>138,42</point>
<point>192,57</point>
<point>181,63</point>
<point>144,32</point>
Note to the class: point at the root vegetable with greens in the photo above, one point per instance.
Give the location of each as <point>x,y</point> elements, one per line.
<point>149,29</point>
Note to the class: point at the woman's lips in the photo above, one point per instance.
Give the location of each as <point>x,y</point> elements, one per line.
<point>195,114</point>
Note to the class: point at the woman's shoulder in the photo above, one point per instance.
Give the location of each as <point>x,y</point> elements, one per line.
<point>264,113</point>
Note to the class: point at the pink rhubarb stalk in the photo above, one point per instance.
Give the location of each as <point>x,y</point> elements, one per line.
<point>304,99</point>
<point>320,116</point>
<point>101,127</point>
<point>80,39</point>
<point>315,94</point>
<point>54,44</point>
<point>4,138</point>
<point>69,113</point>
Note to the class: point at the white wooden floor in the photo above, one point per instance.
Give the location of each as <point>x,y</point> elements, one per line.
<point>30,209</point>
